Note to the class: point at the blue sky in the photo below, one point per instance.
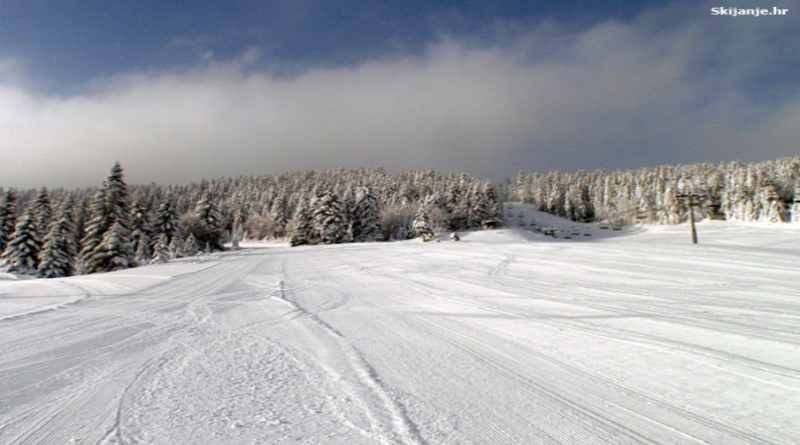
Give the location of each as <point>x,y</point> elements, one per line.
<point>181,90</point>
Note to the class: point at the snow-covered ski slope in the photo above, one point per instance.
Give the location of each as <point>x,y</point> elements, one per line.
<point>507,337</point>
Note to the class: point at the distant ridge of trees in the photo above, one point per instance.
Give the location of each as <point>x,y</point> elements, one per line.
<point>53,233</point>
<point>733,191</point>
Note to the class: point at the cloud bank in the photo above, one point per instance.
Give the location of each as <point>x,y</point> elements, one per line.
<point>669,87</point>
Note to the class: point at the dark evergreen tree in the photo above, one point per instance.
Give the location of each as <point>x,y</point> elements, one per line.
<point>480,208</point>
<point>57,258</point>
<point>144,253</point>
<point>329,221</point>
<point>43,210</point>
<point>209,225</point>
<point>165,221</point>
<point>81,212</point>
<point>139,227</point>
<point>118,199</point>
<point>176,248</point>
<point>161,249</point>
<point>366,216</point>
<point>22,253</point>
<point>94,230</point>
<point>191,247</point>
<point>494,203</point>
<point>116,251</point>
<point>102,250</point>
<point>8,219</point>
<point>301,225</point>
<point>280,215</point>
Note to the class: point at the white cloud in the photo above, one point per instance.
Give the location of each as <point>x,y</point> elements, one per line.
<point>616,95</point>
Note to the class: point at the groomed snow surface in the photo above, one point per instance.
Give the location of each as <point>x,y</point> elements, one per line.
<point>506,337</point>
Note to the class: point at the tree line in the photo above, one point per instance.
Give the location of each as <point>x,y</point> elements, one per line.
<point>56,233</point>
<point>733,191</point>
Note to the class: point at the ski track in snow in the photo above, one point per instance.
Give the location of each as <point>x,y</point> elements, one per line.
<point>503,338</point>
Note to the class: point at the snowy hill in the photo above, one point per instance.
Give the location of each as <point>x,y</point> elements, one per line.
<point>508,336</point>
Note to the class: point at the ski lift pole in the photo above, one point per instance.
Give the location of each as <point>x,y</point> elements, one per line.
<point>690,197</point>
<point>691,220</point>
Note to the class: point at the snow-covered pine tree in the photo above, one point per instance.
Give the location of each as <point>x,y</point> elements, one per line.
<point>81,212</point>
<point>772,207</point>
<point>165,220</point>
<point>118,199</point>
<point>301,225</point>
<point>366,216</point>
<point>329,221</point>
<point>191,247</point>
<point>43,210</point>
<point>117,249</point>
<point>280,215</point>
<point>8,219</point>
<point>495,206</point>
<point>480,208</point>
<point>176,248</point>
<point>22,253</point>
<point>67,212</point>
<point>139,227</point>
<point>144,253</point>
<point>94,230</point>
<point>209,231</point>
<point>110,210</point>
<point>57,258</point>
<point>161,249</point>
<point>422,224</point>
<point>348,198</point>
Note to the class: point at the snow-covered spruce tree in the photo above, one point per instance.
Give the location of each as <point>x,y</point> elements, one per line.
<point>116,249</point>
<point>58,255</point>
<point>22,253</point>
<point>176,248</point>
<point>144,253</point>
<point>772,208</point>
<point>118,202</point>
<point>191,247</point>
<point>366,216</point>
<point>109,210</point>
<point>301,225</point>
<point>8,219</point>
<point>329,221</point>
<point>165,220</point>
<point>422,225</point>
<point>43,210</point>
<point>81,212</point>
<point>93,234</point>
<point>161,249</point>
<point>480,208</point>
<point>495,206</point>
<point>280,216</point>
<point>57,258</point>
<point>209,226</point>
<point>139,226</point>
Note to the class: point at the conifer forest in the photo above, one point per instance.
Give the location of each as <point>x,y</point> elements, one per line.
<point>55,233</point>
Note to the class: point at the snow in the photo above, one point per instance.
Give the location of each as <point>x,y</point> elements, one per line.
<point>508,336</point>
